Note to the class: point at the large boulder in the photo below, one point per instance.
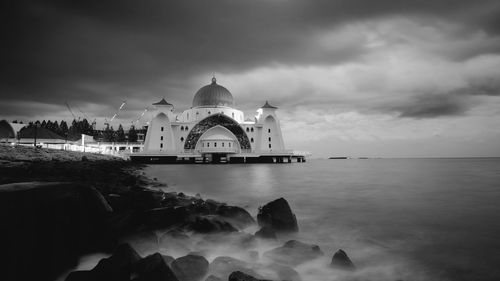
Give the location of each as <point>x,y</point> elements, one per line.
<point>154,268</point>
<point>57,221</point>
<point>190,268</point>
<point>117,267</point>
<point>294,253</point>
<point>278,216</point>
<point>223,266</point>
<point>237,216</point>
<point>266,232</point>
<point>342,261</point>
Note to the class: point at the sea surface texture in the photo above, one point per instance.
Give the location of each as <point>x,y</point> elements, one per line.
<point>409,219</point>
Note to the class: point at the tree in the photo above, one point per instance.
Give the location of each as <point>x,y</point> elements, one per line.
<point>109,134</point>
<point>63,129</point>
<point>120,134</point>
<point>132,134</point>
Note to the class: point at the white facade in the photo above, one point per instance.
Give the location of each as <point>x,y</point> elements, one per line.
<point>213,126</point>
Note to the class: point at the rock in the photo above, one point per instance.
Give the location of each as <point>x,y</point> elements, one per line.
<point>81,275</point>
<point>154,268</point>
<point>190,268</point>
<point>210,224</point>
<point>237,216</point>
<point>240,276</point>
<point>117,267</point>
<point>278,216</point>
<point>168,259</point>
<point>266,233</point>
<point>342,261</point>
<point>223,266</point>
<point>213,278</point>
<point>294,253</point>
<point>57,221</point>
<point>284,272</point>
<point>159,218</point>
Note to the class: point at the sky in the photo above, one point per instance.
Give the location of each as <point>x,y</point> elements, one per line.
<point>386,78</point>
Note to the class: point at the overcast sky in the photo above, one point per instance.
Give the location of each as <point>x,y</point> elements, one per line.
<point>387,78</point>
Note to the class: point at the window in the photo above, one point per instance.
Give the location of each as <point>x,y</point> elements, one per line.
<point>182,138</point>
<point>182,128</point>
<point>222,144</point>
<point>248,130</point>
<point>229,144</point>
<point>202,144</point>
<point>251,130</point>
<point>161,129</point>
<point>269,130</point>
<point>251,140</point>
<point>233,115</point>
<point>269,138</point>
<point>186,128</point>
<point>209,113</point>
<point>269,145</point>
<point>208,144</point>
<point>161,138</point>
<point>188,116</point>
<point>215,144</point>
<point>161,145</point>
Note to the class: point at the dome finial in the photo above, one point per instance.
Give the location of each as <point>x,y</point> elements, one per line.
<point>214,81</point>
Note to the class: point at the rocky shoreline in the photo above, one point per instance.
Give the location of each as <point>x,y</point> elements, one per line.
<point>57,211</point>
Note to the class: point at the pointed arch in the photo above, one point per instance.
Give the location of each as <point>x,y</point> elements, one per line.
<point>214,120</point>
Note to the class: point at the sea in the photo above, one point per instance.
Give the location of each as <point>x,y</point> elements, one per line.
<point>397,219</point>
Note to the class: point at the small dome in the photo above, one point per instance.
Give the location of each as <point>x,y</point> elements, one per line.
<point>213,95</point>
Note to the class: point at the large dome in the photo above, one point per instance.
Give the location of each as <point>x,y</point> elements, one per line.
<point>213,95</point>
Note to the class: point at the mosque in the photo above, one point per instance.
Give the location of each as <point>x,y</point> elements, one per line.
<point>214,131</point>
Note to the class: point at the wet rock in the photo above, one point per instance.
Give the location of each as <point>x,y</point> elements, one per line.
<point>223,266</point>
<point>294,253</point>
<point>190,268</point>
<point>342,261</point>
<point>284,272</point>
<point>278,216</point>
<point>117,267</point>
<point>240,276</point>
<point>266,233</point>
<point>234,240</point>
<point>153,268</point>
<point>239,217</point>
<point>165,217</point>
<point>210,224</point>
<point>58,221</point>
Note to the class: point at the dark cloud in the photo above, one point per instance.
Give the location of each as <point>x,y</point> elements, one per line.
<point>100,52</point>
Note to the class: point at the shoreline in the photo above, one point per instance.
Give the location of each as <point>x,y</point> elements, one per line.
<point>118,204</point>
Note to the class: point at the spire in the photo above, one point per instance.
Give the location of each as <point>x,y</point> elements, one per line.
<point>267,105</point>
<point>214,81</point>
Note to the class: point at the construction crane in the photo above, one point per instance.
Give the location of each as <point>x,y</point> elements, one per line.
<point>140,116</point>
<point>106,122</point>
<point>71,111</point>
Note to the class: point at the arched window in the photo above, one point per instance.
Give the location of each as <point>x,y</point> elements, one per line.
<point>251,130</point>
<point>186,128</point>
<point>269,130</point>
<point>222,144</point>
<point>161,137</point>
<point>209,113</point>
<point>269,138</point>
<point>182,138</point>
<point>208,144</point>
<point>269,145</point>
<point>188,116</point>
<point>229,144</point>
<point>233,115</point>
<point>161,145</point>
<point>215,144</point>
<point>248,130</point>
<point>202,144</point>
<point>182,128</point>
<point>161,129</point>
<point>251,140</point>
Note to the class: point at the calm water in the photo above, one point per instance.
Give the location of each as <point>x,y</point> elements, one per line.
<point>415,219</point>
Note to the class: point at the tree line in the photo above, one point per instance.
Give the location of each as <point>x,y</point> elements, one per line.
<point>79,127</point>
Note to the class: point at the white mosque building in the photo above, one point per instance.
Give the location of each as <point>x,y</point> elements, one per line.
<point>213,131</point>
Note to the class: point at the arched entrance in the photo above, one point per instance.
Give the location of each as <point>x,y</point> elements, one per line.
<point>217,120</point>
